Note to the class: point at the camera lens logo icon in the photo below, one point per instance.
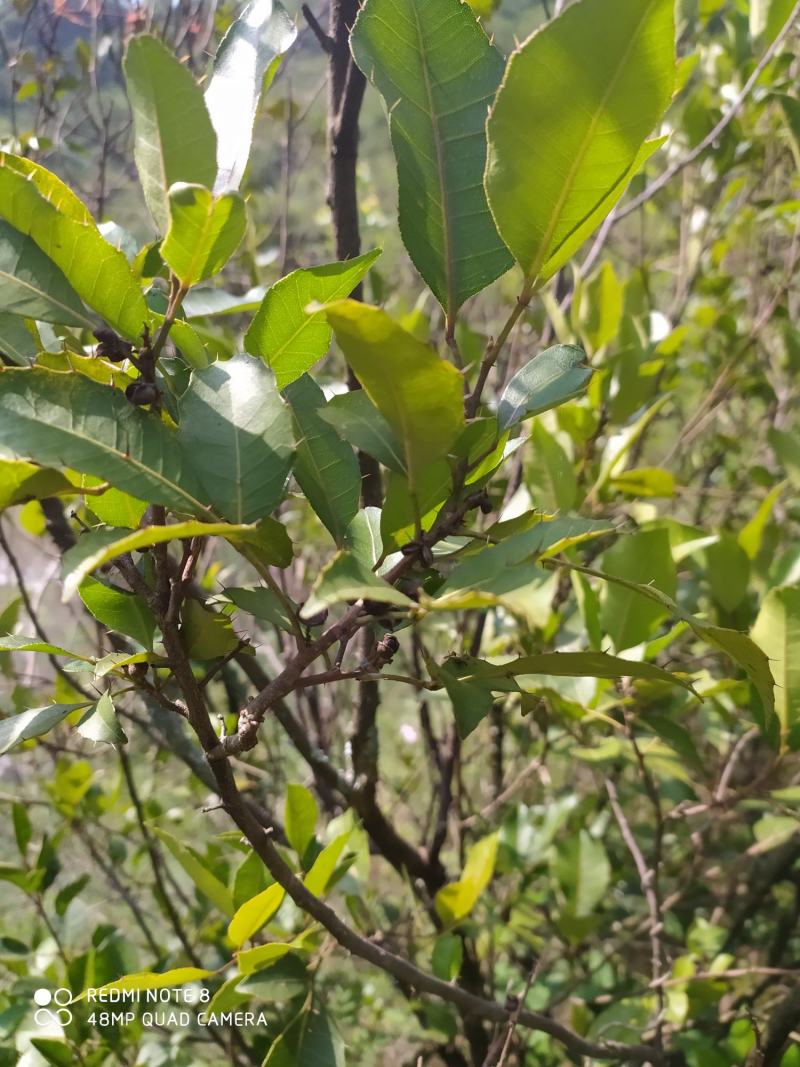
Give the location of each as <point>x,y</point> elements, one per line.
<point>58,1013</point>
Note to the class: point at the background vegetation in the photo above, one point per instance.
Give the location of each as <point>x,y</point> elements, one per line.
<point>573,859</point>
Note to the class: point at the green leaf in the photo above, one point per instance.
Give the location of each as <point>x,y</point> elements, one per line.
<point>363,537</point>
<point>32,285</point>
<point>100,723</point>
<point>245,59</point>
<point>438,72</point>
<point>237,435</point>
<point>495,573</point>
<point>254,914</point>
<point>142,980</point>
<point>568,123</point>
<point>263,604</point>
<point>325,467</point>
<point>17,643</point>
<point>119,610</point>
<point>549,473</point>
<point>109,547</point>
<point>69,421</point>
<point>32,723</point>
<point>777,633</point>
<point>420,395</point>
<point>174,140</point>
<point>447,956</point>
<point>345,577</point>
<point>206,634</point>
<point>285,333</point>
<point>116,508</point>
<point>566,665</point>
<point>455,901</point>
<point>255,959</point>
<point>17,341</point>
<point>471,703</point>
<point>208,884</point>
<point>644,482</point>
<point>752,535</point>
<point>300,818</point>
<point>204,231</point>
<point>358,421</point>
<point>739,646</point>
<point>727,571</point>
<point>554,376</point>
<point>21,481</point>
<point>311,1040</point>
<point>322,870</point>
<point>23,830</point>
<point>56,1052</point>
<point>644,558</point>
<point>268,541</point>
<point>584,872</point>
<point>98,272</point>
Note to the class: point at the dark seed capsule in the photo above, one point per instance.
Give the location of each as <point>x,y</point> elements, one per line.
<point>316,620</point>
<point>410,549</point>
<point>426,555</point>
<point>486,505</point>
<point>111,346</point>
<point>141,393</point>
<point>137,670</point>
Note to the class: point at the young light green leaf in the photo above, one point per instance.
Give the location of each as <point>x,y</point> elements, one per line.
<point>21,481</point>
<point>32,285</point>
<point>100,723</point>
<point>420,395</point>
<point>256,959</point>
<point>455,901</point>
<point>97,272</point>
<point>248,54</point>
<point>69,421</point>
<point>752,535</point>
<point>554,376</point>
<point>285,333</point>
<point>325,466</point>
<point>318,878</point>
<point>358,421</point>
<point>569,120</point>
<point>174,140</point>
<point>119,610</point>
<point>32,723</point>
<point>346,577</point>
<point>254,914</point>
<point>78,566</point>
<point>777,633</point>
<point>142,980</point>
<point>236,434</point>
<point>208,884</point>
<point>438,72</point>
<point>204,231</point>
<point>300,818</point>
